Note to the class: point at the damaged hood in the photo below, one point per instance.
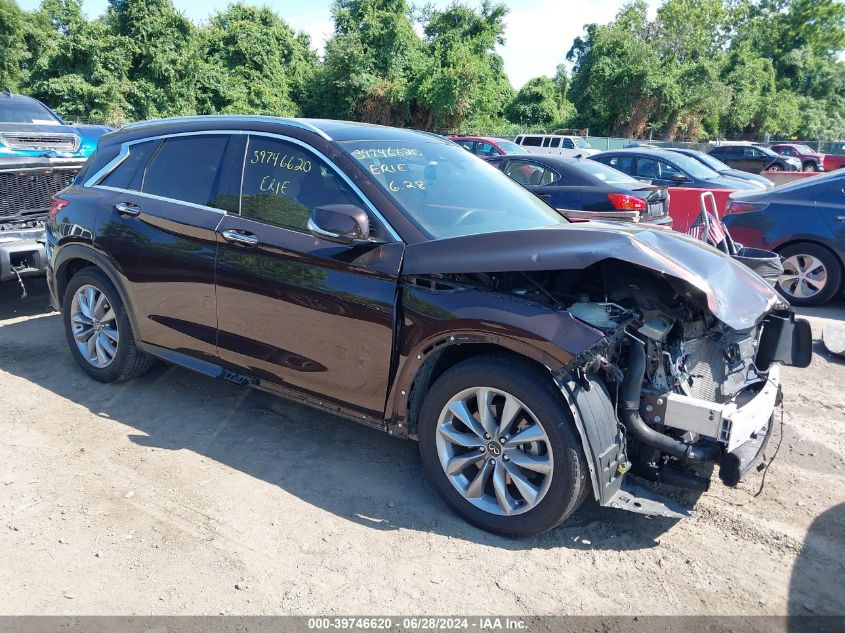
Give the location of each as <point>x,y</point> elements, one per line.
<point>735,294</point>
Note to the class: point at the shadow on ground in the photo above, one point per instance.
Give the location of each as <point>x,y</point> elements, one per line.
<point>817,584</point>
<point>37,300</point>
<point>346,469</point>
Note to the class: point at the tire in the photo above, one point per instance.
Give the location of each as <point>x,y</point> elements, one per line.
<point>774,167</point>
<point>809,166</point>
<point>812,263</point>
<point>113,356</point>
<point>562,488</point>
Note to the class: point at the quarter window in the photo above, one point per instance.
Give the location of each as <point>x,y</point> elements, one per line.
<point>130,173</point>
<point>283,183</point>
<point>189,169</point>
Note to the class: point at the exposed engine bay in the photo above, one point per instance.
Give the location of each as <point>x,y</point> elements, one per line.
<point>688,390</point>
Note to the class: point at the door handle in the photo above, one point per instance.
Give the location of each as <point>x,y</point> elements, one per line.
<point>242,238</point>
<point>127,208</point>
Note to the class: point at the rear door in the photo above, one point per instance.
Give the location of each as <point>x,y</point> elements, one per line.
<point>170,195</point>
<point>297,310</point>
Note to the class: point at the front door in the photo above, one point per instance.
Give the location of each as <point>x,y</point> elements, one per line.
<point>295,309</point>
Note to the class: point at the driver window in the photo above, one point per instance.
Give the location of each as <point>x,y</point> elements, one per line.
<point>568,144</point>
<point>283,182</point>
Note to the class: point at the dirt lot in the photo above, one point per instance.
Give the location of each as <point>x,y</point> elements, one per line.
<point>178,494</point>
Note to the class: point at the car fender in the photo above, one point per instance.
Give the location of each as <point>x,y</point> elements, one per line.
<point>64,255</point>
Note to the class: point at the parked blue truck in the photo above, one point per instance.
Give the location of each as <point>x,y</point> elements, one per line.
<point>40,155</point>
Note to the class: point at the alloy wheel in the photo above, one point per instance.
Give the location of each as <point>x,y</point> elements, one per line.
<point>94,326</point>
<point>494,451</point>
<point>804,276</point>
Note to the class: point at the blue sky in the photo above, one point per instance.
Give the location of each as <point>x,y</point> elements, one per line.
<point>538,35</point>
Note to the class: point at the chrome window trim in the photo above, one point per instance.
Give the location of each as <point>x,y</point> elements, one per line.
<point>94,180</point>
<point>162,198</point>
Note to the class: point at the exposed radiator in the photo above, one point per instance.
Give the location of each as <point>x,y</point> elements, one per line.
<point>707,367</point>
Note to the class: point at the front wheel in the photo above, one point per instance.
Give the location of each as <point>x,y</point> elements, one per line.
<point>499,445</point>
<point>809,167</point>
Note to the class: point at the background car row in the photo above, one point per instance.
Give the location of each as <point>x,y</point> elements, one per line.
<point>804,222</point>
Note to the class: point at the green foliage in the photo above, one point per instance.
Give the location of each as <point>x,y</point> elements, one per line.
<point>252,61</point>
<point>14,53</point>
<point>699,68</point>
<point>463,82</point>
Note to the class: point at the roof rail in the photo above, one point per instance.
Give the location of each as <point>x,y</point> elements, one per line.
<point>300,123</point>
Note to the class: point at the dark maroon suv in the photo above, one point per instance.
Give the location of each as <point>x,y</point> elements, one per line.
<point>392,278</point>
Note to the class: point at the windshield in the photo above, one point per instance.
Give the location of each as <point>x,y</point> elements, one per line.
<point>766,151</point>
<point>804,149</point>
<point>604,173</point>
<point>582,143</point>
<point>694,168</point>
<point>509,147</point>
<point>448,192</point>
<point>713,163</point>
<point>26,112</point>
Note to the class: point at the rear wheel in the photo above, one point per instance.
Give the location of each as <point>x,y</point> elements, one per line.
<point>811,274</point>
<point>499,444</point>
<point>98,330</point>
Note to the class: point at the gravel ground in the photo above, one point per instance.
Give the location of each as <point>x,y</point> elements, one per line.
<point>177,494</point>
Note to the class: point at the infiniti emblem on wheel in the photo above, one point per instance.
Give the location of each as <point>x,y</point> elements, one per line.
<point>494,449</point>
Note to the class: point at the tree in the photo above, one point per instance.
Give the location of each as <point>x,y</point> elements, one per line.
<point>463,83</point>
<point>369,63</point>
<point>162,50</point>
<point>538,103</point>
<point>12,44</point>
<point>252,62</point>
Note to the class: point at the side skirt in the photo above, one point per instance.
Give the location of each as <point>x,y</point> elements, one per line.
<point>213,370</point>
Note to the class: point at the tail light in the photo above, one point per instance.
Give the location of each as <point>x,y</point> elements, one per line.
<point>56,205</point>
<point>624,201</point>
<point>737,206</point>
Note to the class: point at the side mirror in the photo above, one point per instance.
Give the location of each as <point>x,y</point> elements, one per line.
<point>679,178</point>
<point>341,223</point>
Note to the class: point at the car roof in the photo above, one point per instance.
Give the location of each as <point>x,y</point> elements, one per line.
<point>489,139</point>
<point>539,158</point>
<point>641,151</point>
<point>329,129</point>
<point>7,96</point>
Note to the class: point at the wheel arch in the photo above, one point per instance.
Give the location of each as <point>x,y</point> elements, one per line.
<point>76,257</point>
<point>593,416</point>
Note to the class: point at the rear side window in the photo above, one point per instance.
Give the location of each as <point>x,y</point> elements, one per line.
<point>188,168</point>
<point>283,183</point>
<point>129,174</point>
<point>555,142</point>
<point>624,164</point>
<point>532,141</point>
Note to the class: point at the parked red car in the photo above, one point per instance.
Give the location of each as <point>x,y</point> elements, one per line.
<point>486,146</point>
<point>810,160</point>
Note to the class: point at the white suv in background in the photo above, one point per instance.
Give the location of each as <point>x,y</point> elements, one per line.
<point>556,145</point>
